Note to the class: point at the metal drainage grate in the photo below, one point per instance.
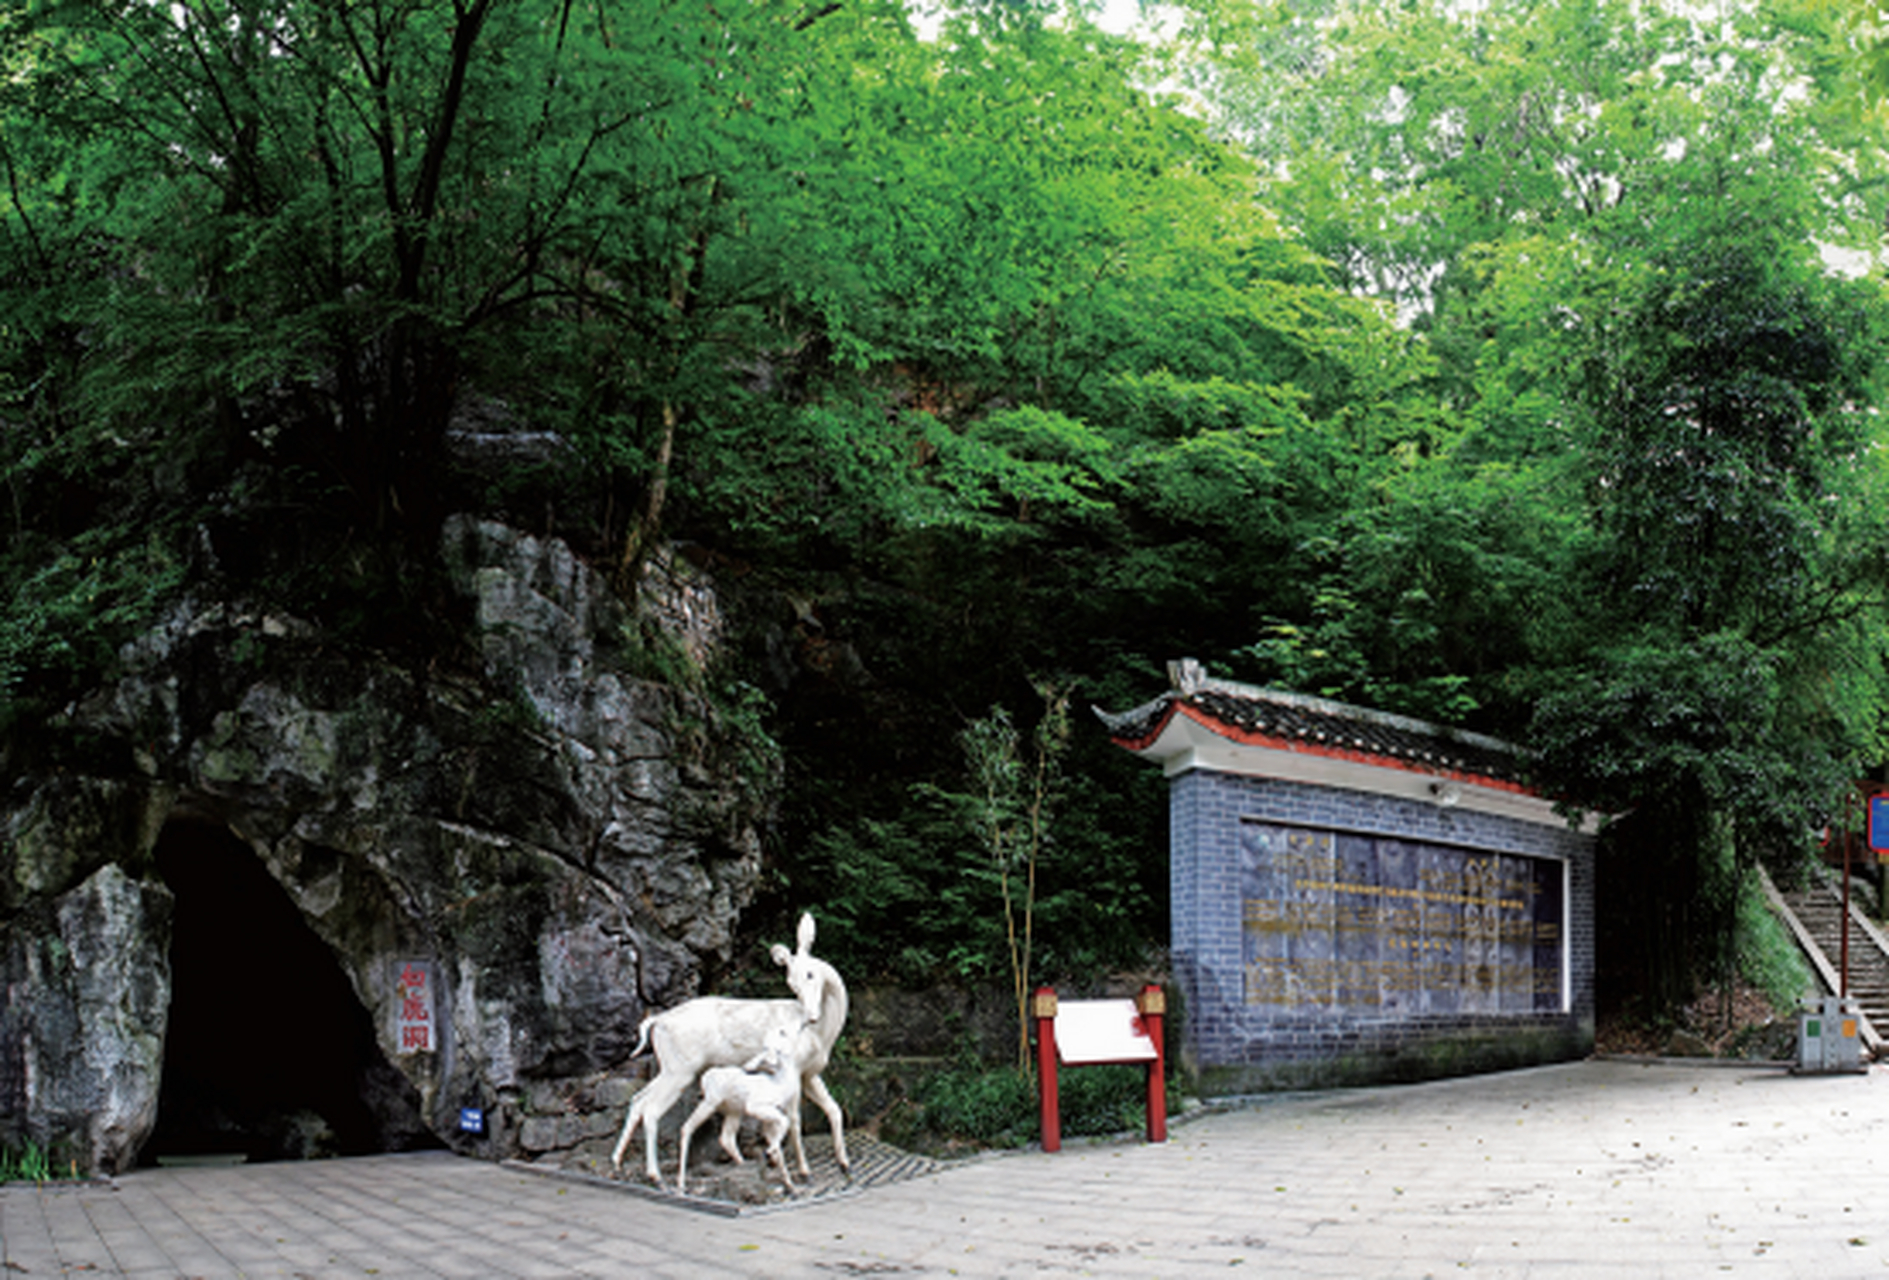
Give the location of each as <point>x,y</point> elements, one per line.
<point>731,1190</point>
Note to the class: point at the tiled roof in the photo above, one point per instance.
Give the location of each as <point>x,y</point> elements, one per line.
<point>1290,721</point>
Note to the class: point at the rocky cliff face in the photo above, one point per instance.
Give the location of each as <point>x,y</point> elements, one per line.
<point>507,867</point>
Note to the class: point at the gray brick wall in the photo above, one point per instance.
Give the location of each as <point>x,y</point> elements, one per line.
<point>1228,1046</point>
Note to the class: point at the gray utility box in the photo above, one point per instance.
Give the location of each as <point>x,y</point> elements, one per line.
<point>1827,1035</point>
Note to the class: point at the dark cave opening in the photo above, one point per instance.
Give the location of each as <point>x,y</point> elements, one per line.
<point>269,1055</point>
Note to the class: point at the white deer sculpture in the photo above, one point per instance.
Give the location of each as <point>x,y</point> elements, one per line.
<point>720,1031</point>
<point>765,1087</point>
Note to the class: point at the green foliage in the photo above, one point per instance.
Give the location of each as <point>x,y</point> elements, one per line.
<point>651,652</point>
<point>1012,806</point>
<point>917,896</point>
<point>1101,1101</point>
<point>70,613</point>
<point>1471,362</point>
<point>1633,533</point>
<point>750,754</point>
<point>908,897</point>
<point>992,1107</point>
<point>997,1107</point>
<point>1723,414</point>
<point>1768,956</point>
<point>33,1163</point>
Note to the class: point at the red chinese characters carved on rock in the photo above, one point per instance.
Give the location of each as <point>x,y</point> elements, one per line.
<point>416,1008</point>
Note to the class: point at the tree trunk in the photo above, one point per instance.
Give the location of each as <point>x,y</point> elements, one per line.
<point>645,528</point>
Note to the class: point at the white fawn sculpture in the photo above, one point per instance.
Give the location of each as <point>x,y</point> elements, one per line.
<point>767,1087</point>
<point>720,1031</point>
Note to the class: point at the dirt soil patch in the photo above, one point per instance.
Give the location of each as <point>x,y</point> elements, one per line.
<point>1719,1023</point>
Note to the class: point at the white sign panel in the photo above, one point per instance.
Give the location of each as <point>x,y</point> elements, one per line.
<point>1101,1031</point>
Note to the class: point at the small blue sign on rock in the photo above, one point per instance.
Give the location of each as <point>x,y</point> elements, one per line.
<point>472,1119</point>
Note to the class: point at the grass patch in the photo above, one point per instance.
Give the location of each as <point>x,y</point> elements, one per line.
<point>33,1163</point>
<point>1768,956</point>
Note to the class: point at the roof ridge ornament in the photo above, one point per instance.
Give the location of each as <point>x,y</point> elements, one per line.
<point>1188,676</point>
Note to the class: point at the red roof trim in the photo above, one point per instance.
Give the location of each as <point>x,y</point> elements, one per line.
<point>1235,734</point>
<point>1148,739</point>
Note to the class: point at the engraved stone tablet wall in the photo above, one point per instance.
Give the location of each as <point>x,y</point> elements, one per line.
<point>1359,924</point>
<point>1323,935</point>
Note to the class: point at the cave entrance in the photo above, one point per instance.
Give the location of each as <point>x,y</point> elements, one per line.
<point>269,1055</point>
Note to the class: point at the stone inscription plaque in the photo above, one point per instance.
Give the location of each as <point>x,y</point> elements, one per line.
<point>414,997</point>
<point>1369,924</point>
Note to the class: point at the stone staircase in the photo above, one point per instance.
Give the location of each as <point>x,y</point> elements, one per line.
<point>1815,915</point>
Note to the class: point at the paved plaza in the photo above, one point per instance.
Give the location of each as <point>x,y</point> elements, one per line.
<point>1600,1168</point>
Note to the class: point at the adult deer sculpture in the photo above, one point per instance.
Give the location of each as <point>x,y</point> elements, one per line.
<point>720,1031</point>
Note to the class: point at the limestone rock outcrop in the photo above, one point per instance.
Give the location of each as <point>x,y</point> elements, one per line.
<point>552,841</point>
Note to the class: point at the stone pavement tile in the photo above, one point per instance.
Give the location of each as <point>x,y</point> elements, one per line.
<point>633,1248</point>
<point>158,1225</point>
<point>107,1214</point>
<point>573,1240</point>
<point>121,1235</point>
<point>247,1251</point>
<point>56,1215</point>
<point>347,1219</point>
<point>509,1262</point>
<point>523,1238</point>
<point>24,1257</point>
<point>82,1257</point>
<point>424,1234</point>
<point>136,1253</point>
<point>369,1233</point>
<point>393,1269</point>
<point>197,1261</point>
<point>305,1259</point>
<point>1527,1174</point>
<point>459,1224</point>
<point>549,1266</point>
<point>26,1238</point>
<point>764,1264</point>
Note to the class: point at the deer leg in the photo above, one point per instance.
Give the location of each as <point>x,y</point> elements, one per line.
<point>630,1122</point>
<point>793,1125</point>
<point>650,1105</point>
<point>817,1090</point>
<point>800,1151</point>
<point>703,1110</point>
<point>730,1126</point>
<point>774,1124</point>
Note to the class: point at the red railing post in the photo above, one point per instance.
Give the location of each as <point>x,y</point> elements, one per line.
<point>1152,1005</point>
<point>1043,1011</point>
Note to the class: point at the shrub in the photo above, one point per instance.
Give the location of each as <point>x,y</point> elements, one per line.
<point>997,1106</point>
<point>1098,1101</point>
<point>985,1106</point>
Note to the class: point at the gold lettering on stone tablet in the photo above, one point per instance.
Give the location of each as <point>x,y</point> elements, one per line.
<point>1334,921</point>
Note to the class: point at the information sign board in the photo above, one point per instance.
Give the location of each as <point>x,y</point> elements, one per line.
<point>1089,1031</point>
<point>1879,823</point>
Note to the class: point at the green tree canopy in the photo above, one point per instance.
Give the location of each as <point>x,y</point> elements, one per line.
<point>1482,364</point>
<point>1646,535</point>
